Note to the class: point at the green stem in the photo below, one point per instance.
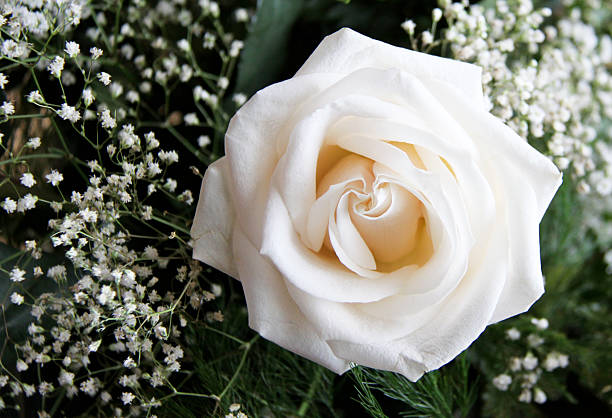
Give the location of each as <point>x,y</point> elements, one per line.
<point>31,157</point>
<point>246,348</point>
<point>311,391</point>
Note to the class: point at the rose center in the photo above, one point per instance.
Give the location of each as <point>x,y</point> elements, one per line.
<point>386,216</point>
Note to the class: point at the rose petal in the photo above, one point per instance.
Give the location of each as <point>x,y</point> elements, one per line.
<point>346,51</point>
<point>251,144</point>
<point>273,314</point>
<point>214,221</point>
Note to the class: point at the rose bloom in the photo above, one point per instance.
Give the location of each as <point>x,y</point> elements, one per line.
<point>374,211</point>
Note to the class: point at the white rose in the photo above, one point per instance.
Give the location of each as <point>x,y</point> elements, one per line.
<point>374,211</point>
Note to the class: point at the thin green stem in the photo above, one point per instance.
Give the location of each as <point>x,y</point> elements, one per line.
<point>311,391</point>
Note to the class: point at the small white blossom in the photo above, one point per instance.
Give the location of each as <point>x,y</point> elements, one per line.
<point>107,120</point>
<point>104,78</point>
<point>513,334</point>
<point>235,48</point>
<point>530,362</point>
<point>7,108</point>
<point>56,67</point>
<point>502,382</point>
<point>539,396</point>
<point>88,97</point>
<point>241,15</point>
<point>541,323</point>
<point>33,143</point>
<point>35,97</point>
<point>3,81</point>
<point>26,202</point>
<point>168,157</point>
<point>69,113</point>
<point>72,49</point>
<point>223,83</point>
<point>21,365</point>
<point>16,298</point>
<point>409,27</point>
<point>239,99</point>
<point>95,53</point>
<point>191,119</point>
<point>9,205</point>
<point>203,141</point>
<point>127,398</point>
<point>27,179</point>
<point>54,177</point>
<point>525,396</point>
<point>17,275</point>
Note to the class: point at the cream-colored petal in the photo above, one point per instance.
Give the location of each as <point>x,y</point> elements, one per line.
<point>214,221</point>
<point>272,312</point>
<point>346,51</point>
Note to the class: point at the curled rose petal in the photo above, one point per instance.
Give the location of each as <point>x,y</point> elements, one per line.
<point>373,211</point>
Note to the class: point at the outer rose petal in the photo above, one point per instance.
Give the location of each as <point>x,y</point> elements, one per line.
<point>346,51</point>
<point>272,312</point>
<point>214,220</point>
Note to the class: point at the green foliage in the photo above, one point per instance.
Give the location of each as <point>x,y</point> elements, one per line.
<point>233,365</point>
<point>267,44</point>
<point>448,392</point>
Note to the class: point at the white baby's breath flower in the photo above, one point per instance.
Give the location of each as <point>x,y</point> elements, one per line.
<point>409,27</point>
<point>502,382</point>
<point>33,143</point>
<point>191,119</point>
<point>168,157</point>
<point>72,49</point>
<point>17,275</point>
<point>541,323</point>
<point>530,361</point>
<point>241,15</point>
<point>3,80</point>
<point>21,365</point>
<point>525,396</point>
<point>239,99</point>
<point>16,298</point>
<point>54,177</point>
<point>88,97</point>
<point>223,83</point>
<point>27,179</point>
<point>35,97</point>
<point>7,108</point>
<point>513,334</point>
<point>26,202</point>
<point>209,40</point>
<point>56,66</point>
<point>203,141</point>
<point>107,120</point>
<point>69,113</point>
<point>183,45</point>
<point>9,205</point>
<point>127,398</point>
<point>235,48</point>
<point>95,53</point>
<point>105,78</point>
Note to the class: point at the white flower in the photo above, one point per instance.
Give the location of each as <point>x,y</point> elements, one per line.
<point>525,396</point>
<point>72,49</point>
<point>223,82</point>
<point>239,99</point>
<point>56,66</point>
<point>95,53</point>
<point>3,81</point>
<point>88,97</point>
<point>27,179</point>
<point>17,275</point>
<point>183,45</point>
<point>409,27</point>
<point>21,365</point>
<point>235,48</point>
<point>7,108</point>
<point>26,202</point>
<point>107,120</point>
<point>502,382</point>
<point>203,141</point>
<point>9,205</point>
<point>16,298</point>
<point>539,396</point>
<point>69,113</point>
<point>513,334</point>
<point>168,157</point>
<point>33,143</point>
<point>530,362</point>
<point>35,97</point>
<point>374,211</point>
<point>191,119</point>
<point>541,323</point>
<point>104,78</point>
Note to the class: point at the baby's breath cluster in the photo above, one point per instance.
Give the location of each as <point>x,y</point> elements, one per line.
<point>524,372</point>
<point>105,113</point>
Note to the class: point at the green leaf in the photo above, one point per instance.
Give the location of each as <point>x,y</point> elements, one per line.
<point>266,46</point>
